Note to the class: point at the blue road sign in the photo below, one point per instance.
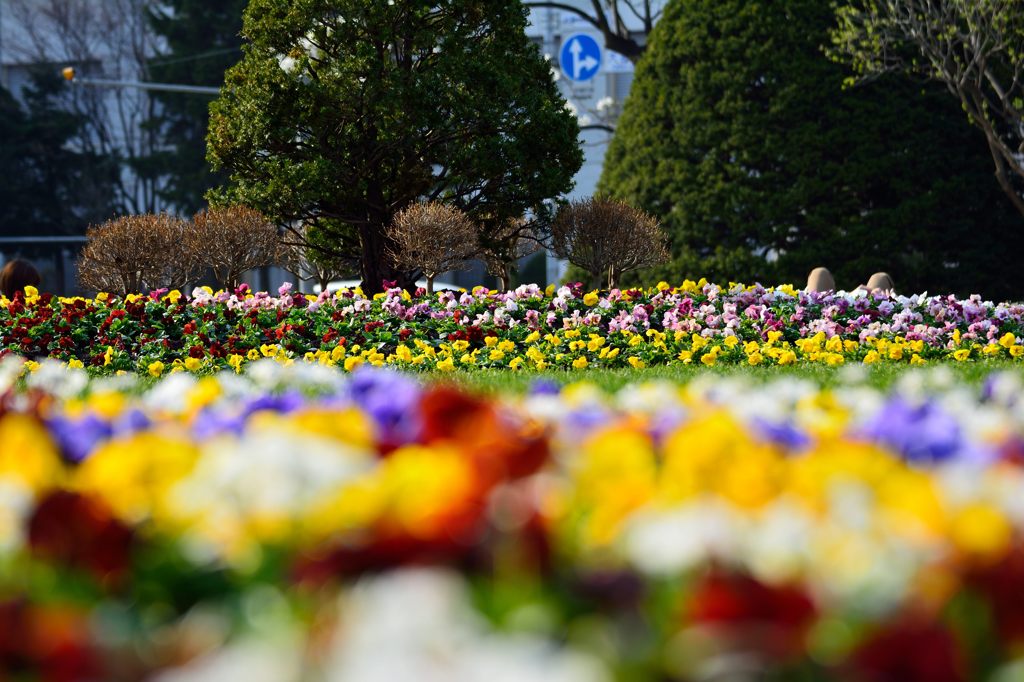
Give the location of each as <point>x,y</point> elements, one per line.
<point>580,57</point>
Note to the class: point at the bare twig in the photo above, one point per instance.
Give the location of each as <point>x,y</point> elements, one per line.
<point>136,253</point>
<point>433,238</point>
<point>607,238</point>
<point>231,241</point>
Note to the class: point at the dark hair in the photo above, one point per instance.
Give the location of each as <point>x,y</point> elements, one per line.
<point>17,275</point>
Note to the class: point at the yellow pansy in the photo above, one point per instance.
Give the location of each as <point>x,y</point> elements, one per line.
<point>137,475</point>
<point>28,454</point>
<point>981,530</point>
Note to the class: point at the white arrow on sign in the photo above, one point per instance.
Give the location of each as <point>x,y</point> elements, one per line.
<point>580,65</point>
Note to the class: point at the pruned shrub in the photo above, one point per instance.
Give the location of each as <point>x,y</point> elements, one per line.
<point>607,238</point>
<point>432,238</point>
<point>136,253</point>
<point>230,241</point>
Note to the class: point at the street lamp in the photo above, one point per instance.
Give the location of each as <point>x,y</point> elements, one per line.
<point>71,76</point>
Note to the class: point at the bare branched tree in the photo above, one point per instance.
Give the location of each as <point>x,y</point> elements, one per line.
<point>433,238</point>
<point>607,238</point>
<point>300,257</point>
<point>230,241</point>
<point>613,19</point>
<point>504,244</point>
<point>112,40</point>
<point>974,47</point>
<point>136,253</point>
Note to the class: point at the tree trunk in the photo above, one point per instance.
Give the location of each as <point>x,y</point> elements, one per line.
<point>374,262</point>
<point>503,278</point>
<point>430,285</point>
<point>613,278</point>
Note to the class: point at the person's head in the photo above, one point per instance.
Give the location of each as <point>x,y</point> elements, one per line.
<point>820,279</point>
<point>880,281</point>
<point>17,275</point>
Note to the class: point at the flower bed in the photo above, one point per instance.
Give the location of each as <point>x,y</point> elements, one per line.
<point>697,323</point>
<point>296,523</point>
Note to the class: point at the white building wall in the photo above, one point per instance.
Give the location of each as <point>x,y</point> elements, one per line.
<point>596,102</point>
<point>105,39</point>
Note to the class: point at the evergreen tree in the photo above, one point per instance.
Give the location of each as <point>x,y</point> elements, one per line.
<point>344,112</point>
<point>49,188</point>
<point>739,135</point>
<point>203,40</point>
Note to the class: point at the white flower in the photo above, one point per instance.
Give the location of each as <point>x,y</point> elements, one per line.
<point>666,543</point>
<point>170,394</point>
<point>272,472</point>
<point>419,625</point>
<point>57,379</point>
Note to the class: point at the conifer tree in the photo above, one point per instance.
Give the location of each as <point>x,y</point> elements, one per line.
<point>739,136</point>
<point>48,187</point>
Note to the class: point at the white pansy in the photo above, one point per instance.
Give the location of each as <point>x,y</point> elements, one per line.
<point>420,625</point>
<point>170,394</point>
<point>669,542</point>
<point>271,473</point>
<point>57,379</point>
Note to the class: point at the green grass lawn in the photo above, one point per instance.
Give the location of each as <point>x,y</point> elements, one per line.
<point>503,381</point>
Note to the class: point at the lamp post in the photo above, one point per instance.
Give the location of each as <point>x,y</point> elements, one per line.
<point>72,77</point>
